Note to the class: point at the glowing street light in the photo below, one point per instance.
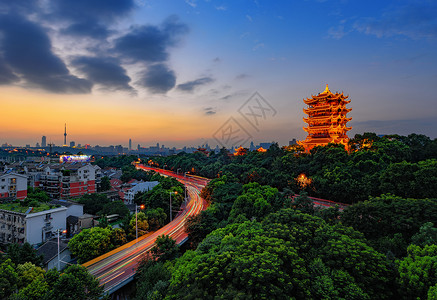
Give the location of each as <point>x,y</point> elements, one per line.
<point>171,216</point>
<point>136,218</point>
<point>59,259</point>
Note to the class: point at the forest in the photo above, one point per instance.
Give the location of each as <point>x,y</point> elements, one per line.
<point>258,240</point>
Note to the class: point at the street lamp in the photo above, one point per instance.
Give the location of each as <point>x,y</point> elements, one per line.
<point>59,258</point>
<point>136,218</point>
<point>171,216</point>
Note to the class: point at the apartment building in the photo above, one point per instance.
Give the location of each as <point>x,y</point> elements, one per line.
<point>13,185</point>
<point>69,181</point>
<point>29,226</point>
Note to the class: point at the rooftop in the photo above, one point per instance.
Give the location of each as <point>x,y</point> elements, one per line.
<point>16,207</point>
<point>49,250</point>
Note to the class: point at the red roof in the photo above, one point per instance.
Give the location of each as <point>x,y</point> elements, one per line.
<point>115,182</point>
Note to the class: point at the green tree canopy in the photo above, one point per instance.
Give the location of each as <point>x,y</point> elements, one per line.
<point>94,242</point>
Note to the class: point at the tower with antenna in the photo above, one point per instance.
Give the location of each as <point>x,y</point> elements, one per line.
<point>65,135</point>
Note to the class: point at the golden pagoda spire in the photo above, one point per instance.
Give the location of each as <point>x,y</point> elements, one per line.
<point>326,91</point>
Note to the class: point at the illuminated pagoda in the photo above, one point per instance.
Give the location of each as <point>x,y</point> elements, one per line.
<point>326,120</point>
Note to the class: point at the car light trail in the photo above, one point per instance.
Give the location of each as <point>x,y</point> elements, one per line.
<point>118,267</point>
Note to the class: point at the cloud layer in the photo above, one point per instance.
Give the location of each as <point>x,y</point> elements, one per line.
<point>27,56</point>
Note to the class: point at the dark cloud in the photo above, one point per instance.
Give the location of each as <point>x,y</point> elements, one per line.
<point>104,71</point>
<point>227,97</point>
<point>27,51</point>
<point>89,28</point>
<point>158,79</point>
<point>403,126</point>
<point>6,74</point>
<point>235,94</point>
<point>150,43</point>
<point>90,17</point>
<point>83,10</point>
<point>18,6</point>
<point>189,86</point>
<point>210,111</point>
<point>62,84</point>
<point>415,20</point>
<point>26,54</point>
<point>242,76</point>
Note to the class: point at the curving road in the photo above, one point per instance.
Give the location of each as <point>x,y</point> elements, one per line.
<point>117,268</point>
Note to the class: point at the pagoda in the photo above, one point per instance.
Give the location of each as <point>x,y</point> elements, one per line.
<point>326,120</point>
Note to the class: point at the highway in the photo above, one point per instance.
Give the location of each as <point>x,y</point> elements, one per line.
<point>117,268</point>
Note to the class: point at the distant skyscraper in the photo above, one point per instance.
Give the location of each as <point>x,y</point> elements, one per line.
<point>43,141</point>
<point>130,144</point>
<point>72,144</point>
<point>65,135</point>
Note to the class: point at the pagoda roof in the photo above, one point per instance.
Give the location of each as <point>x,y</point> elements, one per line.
<point>323,96</point>
<point>327,127</point>
<point>328,117</point>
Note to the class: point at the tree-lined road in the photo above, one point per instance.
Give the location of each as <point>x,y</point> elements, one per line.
<point>118,267</point>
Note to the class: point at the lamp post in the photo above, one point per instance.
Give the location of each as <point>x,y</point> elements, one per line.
<point>136,219</point>
<point>59,258</point>
<point>171,216</point>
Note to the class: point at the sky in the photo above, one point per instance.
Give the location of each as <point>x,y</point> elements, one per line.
<point>205,71</point>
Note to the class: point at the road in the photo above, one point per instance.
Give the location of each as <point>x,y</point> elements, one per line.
<point>118,267</point>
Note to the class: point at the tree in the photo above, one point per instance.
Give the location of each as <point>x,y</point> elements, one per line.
<point>91,243</point>
<point>76,283</point>
<point>288,255</point>
<point>427,235</point>
<point>303,203</point>
<point>105,184</point>
<point>152,280</point>
<point>8,279</point>
<point>417,271</point>
<point>20,254</point>
<point>156,218</point>
<point>93,203</point>
<point>255,202</point>
<point>382,217</point>
<point>27,273</point>
<point>36,194</point>
<point>165,248</point>
<point>36,290</point>
<point>114,207</point>
<point>143,225</point>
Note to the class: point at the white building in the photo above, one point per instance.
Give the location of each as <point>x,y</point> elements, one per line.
<point>13,185</point>
<point>42,226</point>
<point>34,228</point>
<point>139,187</point>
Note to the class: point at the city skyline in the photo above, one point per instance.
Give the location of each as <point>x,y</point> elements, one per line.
<point>174,72</point>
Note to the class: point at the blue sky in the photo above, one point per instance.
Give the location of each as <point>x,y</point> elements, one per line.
<point>175,71</point>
